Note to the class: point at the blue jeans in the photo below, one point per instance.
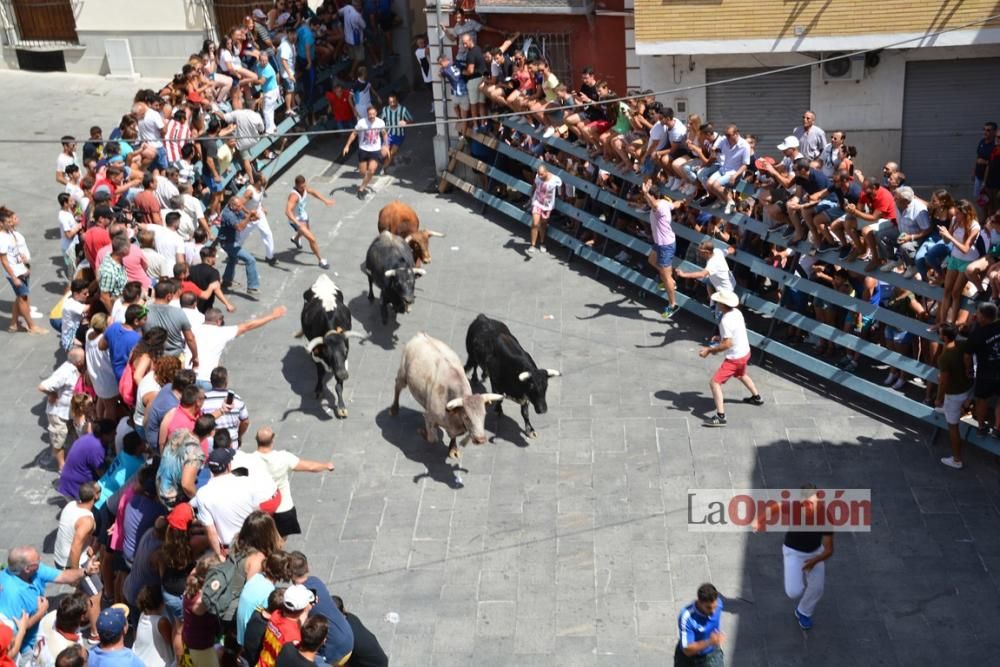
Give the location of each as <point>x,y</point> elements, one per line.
<point>932,255</point>
<point>234,254</point>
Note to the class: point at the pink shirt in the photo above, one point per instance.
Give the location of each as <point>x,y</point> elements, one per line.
<point>660,220</point>
<point>134,263</point>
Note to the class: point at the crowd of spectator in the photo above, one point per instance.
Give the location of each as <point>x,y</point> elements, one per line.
<point>173,527</point>
<point>823,219</point>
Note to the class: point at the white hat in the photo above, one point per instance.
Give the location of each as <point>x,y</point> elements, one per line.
<point>726,298</point>
<point>298,597</point>
<point>789,142</point>
<point>259,13</point>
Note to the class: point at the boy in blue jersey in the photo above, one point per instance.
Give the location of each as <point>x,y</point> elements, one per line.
<point>700,625</point>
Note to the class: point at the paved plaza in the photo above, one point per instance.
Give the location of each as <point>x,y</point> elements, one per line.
<point>567,549</point>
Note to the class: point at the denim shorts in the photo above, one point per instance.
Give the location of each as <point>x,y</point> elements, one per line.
<point>665,254</point>
<point>830,208</point>
<point>23,289</point>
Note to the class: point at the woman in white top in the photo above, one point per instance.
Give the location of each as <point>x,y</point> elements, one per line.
<point>154,632</point>
<point>962,235</point>
<point>221,84</point>
<point>230,63</point>
<point>253,199</point>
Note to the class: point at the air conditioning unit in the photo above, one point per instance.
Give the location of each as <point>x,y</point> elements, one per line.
<point>842,67</point>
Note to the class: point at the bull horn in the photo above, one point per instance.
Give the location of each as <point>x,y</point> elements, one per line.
<point>492,398</point>
<point>408,238</point>
<point>523,376</point>
<point>338,330</point>
<point>311,345</point>
<point>354,334</point>
<point>389,273</point>
<point>438,234</point>
<point>454,404</point>
<point>419,272</point>
<point>553,373</point>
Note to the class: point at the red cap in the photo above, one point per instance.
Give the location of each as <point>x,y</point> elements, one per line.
<point>180,517</point>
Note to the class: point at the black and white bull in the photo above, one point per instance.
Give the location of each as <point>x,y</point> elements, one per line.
<point>326,326</point>
<point>511,370</point>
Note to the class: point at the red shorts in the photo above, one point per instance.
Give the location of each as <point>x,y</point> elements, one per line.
<point>540,212</point>
<point>731,368</point>
<point>599,126</point>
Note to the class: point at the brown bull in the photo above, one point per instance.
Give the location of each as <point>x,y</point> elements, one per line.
<point>402,221</point>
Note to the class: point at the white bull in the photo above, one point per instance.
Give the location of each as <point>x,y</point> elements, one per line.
<point>435,376</point>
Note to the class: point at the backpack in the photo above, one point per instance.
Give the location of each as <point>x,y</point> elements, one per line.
<point>223,584</point>
<point>127,388</point>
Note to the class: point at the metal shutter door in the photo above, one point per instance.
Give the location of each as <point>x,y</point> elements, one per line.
<point>945,104</point>
<point>769,107</point>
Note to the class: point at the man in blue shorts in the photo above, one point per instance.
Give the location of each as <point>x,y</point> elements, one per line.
<point>396,117</point>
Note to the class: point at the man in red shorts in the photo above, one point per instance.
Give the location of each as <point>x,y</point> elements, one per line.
<point>732,340</point>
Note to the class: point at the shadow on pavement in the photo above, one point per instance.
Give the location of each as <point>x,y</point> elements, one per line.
<point>401,432</point>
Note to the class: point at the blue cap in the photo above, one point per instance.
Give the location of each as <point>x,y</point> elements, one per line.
<point>111,623</point>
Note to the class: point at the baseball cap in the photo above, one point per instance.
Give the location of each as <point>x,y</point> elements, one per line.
<point>259,14</point>
<point>789,142</point>
<point>298,597</point>
<point>111,623</point>
<point>220,459</point>
<point>180,516</point>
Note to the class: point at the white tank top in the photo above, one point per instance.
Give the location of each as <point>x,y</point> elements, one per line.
<point>256,196</point>
<point>150,647</point>
<point>67,529</point>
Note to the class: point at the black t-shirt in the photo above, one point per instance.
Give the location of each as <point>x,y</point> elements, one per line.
<point>367,651</point>
<point>983,152</point>
<point>253,638</point>
<point>204,275</point>
<point>984,343</point>
<point>806,542</point>
<point>591,93</point>
<point>210,149</point>
<point>852,196</point>
<point>474,57</point>
<point>993,177</point>
<point>289,656</point>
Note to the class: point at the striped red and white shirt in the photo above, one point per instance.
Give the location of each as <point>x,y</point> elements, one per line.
<point>175,135</point>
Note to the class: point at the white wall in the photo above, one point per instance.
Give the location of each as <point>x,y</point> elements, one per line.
<point>141,15</point>
<point>871,111</point>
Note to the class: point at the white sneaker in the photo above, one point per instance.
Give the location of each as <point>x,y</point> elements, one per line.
<point>952,463</point>
<point>549,131</point>
<point>729,207</point>
<point>531,250</point>
<point>542,249</point>
<point>899,384</point>
<point>890,378</point>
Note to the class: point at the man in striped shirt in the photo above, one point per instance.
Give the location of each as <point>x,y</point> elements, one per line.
<point>176,133</point>
<point>396,117</point>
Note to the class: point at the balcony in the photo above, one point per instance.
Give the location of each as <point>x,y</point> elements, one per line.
<point>534,6</point>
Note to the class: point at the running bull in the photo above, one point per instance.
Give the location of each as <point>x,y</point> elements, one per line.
<point>434,375</point>
<point>402,221</point>
<point>326,325</point>
<point>512,371</point>
<point>389,264</point>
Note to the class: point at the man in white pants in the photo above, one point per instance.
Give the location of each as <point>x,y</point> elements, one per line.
<point>804,554</point>
<point>253,198</point>
<point>267,79</point>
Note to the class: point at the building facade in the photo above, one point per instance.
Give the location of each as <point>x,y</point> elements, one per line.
<point>916,90</point>
<point>571,34</point>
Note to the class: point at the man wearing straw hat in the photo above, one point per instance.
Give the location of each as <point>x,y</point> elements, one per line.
<point>733,342</point>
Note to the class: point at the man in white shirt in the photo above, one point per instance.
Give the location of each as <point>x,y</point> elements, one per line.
<point>58,388</point>
<point>373,147</point>
<point>543,200</point>
<point>213,336</point>
<point>279,464</point>
<point>224,503</point>
<point>734,153</point>
<point>169,243</point>
<point>70,229</point>
<point>716,269</point>
<point>733,341</point>
<point>914,227</point>
<point>65,159</point>
<point>811,136</point>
